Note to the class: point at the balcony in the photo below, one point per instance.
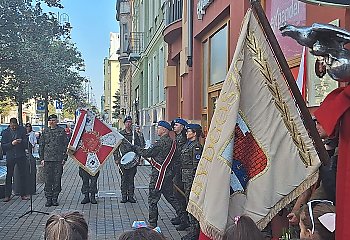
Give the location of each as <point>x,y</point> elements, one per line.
<point>173,16</point>
<point>135,47</point>
<point>122,7</point>
<point>173,11</point>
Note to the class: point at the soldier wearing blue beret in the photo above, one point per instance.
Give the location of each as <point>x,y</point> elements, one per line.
<point>161,153</point>
<point>179,125</point>
<point>190,156</point>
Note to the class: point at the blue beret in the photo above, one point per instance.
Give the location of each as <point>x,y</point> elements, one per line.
<point>127,118</point>
<point>179,120</point>
<point>165,124</point>
<point>52,116</point>
<point>194,126</point>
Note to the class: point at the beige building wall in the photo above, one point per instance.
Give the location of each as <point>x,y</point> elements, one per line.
<point>111,77</point>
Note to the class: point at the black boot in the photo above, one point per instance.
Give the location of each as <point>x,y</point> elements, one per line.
<point>189,236</point>
<point>93,199</point>
<point>132,199</point>
<point>182,226</point>
<point>175,221</point>
<point>124,200</point>
<point>54,202</point>
<point>48,202</point>
<point>86,199</point>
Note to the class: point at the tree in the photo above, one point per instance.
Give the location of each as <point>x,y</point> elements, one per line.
<point>116,107</point>
<point>36,59</point>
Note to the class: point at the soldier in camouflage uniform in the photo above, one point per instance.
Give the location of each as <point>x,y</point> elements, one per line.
<point>190,156</point>
<point>178,125</point>
<point>159,152</point>
<point>127,175</point>
<point>53,155</point>
<point>89,186</point>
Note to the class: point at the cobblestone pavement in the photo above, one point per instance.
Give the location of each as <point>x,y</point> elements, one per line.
<point>107,219</point>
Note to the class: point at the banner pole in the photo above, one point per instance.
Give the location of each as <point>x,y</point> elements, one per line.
<point>305,114</point>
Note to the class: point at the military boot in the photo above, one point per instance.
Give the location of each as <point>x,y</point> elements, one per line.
<point>189,236</point>
<point>124,199</point>
<point>93,199</point>
<point>54,202</point>
<point>48,202</point>
<point>86,199</point>
<point>184,223</point>
<point>132,200</point>
<point>175,221</point>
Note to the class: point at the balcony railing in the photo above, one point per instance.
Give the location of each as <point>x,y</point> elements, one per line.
<point>173,11</point>
<point>135,43</point>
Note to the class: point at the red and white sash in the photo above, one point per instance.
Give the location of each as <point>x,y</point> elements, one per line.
<point>163,167</point>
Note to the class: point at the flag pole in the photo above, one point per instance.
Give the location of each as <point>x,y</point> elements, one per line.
<point>309,123</point>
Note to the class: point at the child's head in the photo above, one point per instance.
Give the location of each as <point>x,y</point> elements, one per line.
<point>142,234</point>
<point>67,226</point>
<point>310,224</point>
<point>243,228</point>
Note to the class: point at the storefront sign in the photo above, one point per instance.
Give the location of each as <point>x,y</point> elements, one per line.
<point>336,3</point>
<point>201,6</point>
<point>284,12</point>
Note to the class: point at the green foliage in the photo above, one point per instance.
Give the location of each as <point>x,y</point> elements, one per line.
<point>5,107</point>
<point>116,107</point>
<point>37,60</point>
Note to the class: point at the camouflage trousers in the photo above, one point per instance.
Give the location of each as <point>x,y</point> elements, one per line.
<point>53,174</point>
<point>89,182</point>
<point>127,181</point>
<point>194,224</point>
<point>168,193</point>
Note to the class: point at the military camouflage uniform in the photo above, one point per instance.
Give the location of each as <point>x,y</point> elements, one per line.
<point>159,151</point>
<point>89,182</point>
<point>190,154</point>
<point>53,150</point>
<point>180,142</point>
<point>127,175</point>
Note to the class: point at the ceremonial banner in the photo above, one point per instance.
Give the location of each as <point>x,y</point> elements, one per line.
<point>258,155</point>
<point>92,142</point>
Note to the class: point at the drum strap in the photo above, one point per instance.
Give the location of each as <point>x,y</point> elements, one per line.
<point>163,167</point>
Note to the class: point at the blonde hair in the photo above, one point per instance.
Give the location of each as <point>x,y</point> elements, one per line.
<point>66,226</point>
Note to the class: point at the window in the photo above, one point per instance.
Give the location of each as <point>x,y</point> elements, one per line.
<point>125,37</point>
<point>218,56</point>
<point>205,74</point>
<point>215,63</point>
<point>161,75</point>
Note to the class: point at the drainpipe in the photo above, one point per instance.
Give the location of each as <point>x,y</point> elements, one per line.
<point>190,31</point>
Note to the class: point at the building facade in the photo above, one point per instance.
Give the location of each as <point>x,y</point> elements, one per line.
<point>111,78</point>
<point>145,57</point>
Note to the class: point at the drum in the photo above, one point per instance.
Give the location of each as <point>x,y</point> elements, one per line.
<point>129,160</point>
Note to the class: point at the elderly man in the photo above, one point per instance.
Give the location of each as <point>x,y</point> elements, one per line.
<point>53,155</point>
<point>161,181</point>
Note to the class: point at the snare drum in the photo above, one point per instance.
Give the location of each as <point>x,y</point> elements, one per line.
<point>129,160</point>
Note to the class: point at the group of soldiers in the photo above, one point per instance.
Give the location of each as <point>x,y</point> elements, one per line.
<point>174,164</point>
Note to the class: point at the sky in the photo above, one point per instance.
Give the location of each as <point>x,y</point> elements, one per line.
<point>92,21</point>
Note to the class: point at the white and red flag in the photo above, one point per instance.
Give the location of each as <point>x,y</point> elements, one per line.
<point>92,142</point>
<point>258,155</point>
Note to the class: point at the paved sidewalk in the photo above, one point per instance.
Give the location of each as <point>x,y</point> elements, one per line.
<point>107,219</point>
